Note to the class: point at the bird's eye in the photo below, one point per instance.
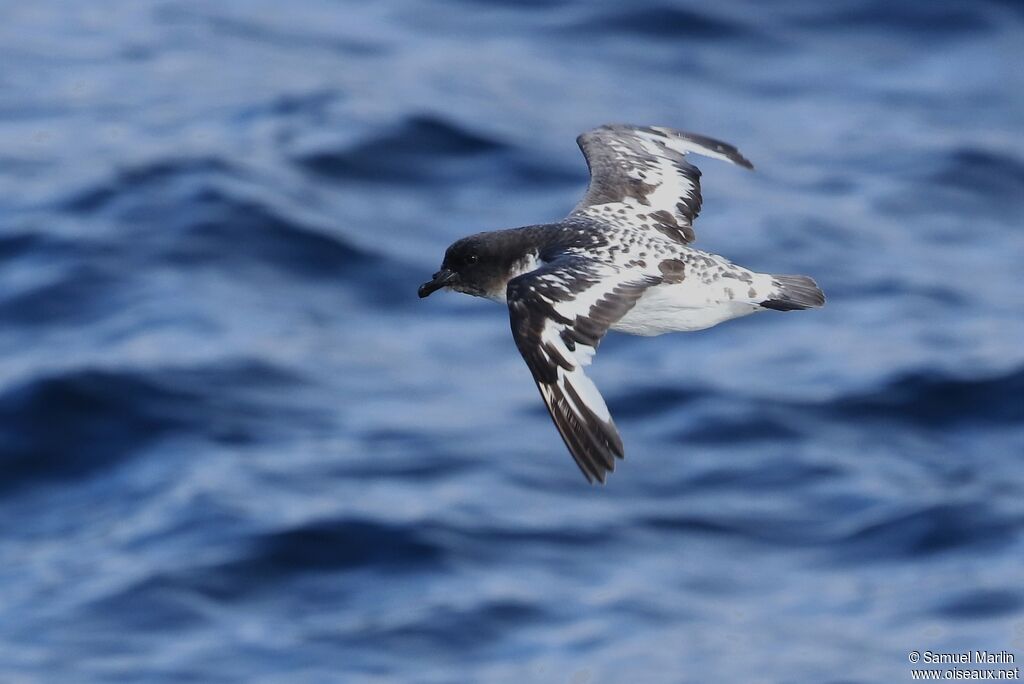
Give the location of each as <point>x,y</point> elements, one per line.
<point>472,259</point>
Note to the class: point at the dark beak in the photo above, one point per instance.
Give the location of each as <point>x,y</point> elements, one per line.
<point>441,278</point>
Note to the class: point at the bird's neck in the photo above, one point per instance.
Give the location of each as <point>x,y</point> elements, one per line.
<point>529,241</point>
<point>523,248</point>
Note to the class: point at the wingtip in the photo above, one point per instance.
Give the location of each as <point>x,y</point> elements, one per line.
<point>600,475</point>
<point>730,152</point>
<point>597,479</point>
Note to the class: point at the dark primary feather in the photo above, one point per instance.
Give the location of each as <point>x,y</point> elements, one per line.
<point>557,333</point>
<point>639,176</point>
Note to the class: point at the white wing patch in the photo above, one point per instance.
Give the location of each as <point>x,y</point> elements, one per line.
<point>639,177</point>
<point>559,313</point>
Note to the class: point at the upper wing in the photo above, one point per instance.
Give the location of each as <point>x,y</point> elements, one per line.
<point>638,176</point>
<point>559,314</point>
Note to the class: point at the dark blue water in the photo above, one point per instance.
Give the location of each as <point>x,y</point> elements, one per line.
<point>237,448</point>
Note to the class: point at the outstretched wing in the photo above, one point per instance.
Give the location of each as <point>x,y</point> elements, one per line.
<point>559,313</point>
<point>639,177</point>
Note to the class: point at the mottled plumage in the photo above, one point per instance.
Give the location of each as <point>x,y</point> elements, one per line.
<point>620,261</point>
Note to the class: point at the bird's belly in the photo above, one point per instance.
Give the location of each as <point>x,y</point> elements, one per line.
<point>679,308</point>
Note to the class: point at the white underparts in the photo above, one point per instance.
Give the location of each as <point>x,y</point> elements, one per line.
<point>693,305</point>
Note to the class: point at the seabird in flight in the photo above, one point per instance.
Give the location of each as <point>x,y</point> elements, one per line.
<point>622,261</point>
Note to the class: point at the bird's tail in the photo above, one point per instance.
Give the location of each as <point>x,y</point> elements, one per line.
<point>794,292</point>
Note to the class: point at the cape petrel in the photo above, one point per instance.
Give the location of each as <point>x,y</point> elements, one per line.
<point>620,261</point>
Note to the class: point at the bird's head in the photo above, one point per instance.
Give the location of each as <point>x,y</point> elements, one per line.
<point>476,265</point>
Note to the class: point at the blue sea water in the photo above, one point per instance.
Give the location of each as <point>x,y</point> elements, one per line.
<point>237,448</point>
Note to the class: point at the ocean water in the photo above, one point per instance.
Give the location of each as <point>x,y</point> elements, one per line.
<point>237,448</point>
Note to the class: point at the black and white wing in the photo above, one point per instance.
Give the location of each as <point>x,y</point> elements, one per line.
<point>640,178</point>
<point>559,313</point>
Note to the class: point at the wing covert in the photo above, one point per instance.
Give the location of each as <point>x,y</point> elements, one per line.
<point>559,313</point>
<point>639,176</point>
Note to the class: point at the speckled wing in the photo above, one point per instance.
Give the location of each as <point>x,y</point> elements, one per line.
<point>559,313</point>
<point>639,177</point>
